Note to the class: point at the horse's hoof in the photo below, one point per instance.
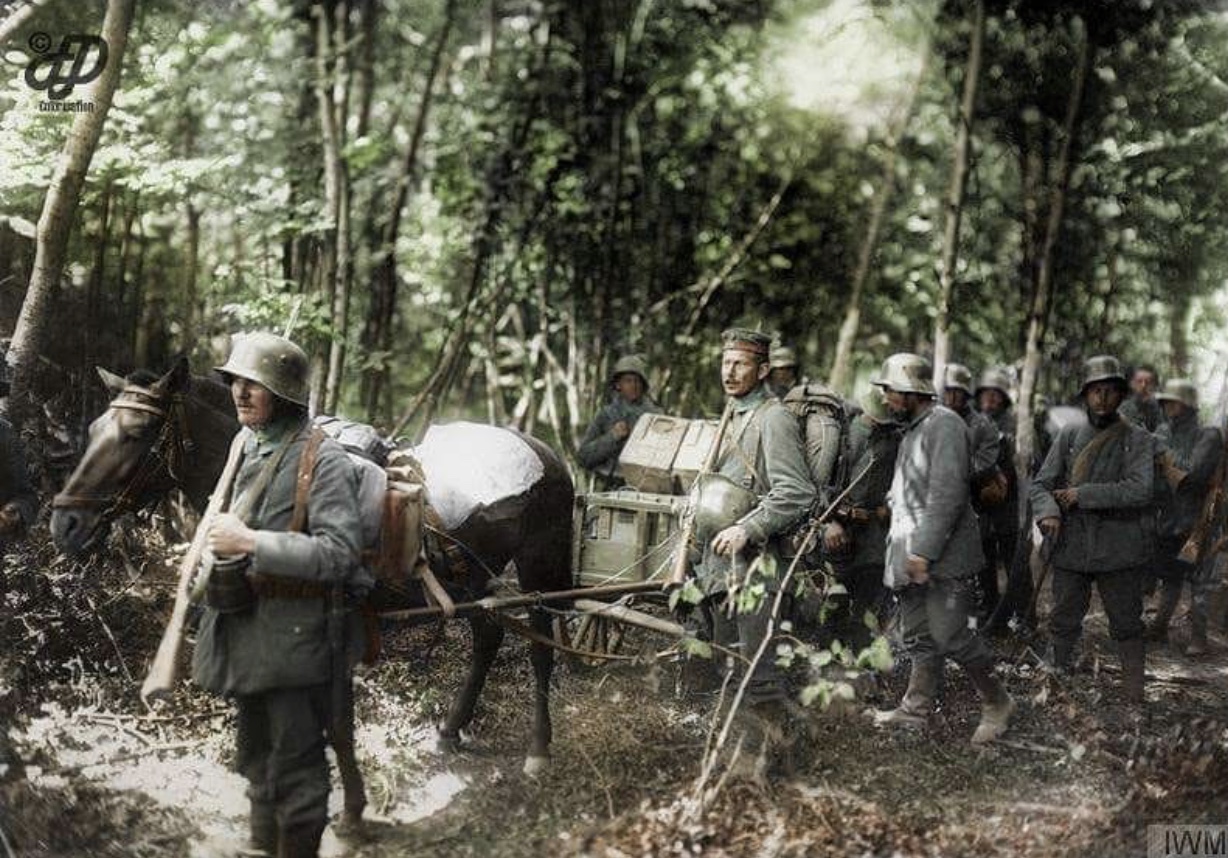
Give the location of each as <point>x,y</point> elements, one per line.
<point>447,744</point>
<point>534,766</point>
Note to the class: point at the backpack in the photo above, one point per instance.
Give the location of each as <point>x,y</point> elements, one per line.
<point>817,407</point>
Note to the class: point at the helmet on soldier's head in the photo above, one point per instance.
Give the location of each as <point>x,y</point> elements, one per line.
<point>632,364</point>
<point>904,372</point>
<point>1179,390</point>
<point>783,357</point>
<point>268,359</point>
<point>957,376</point>
<point>995,379</point>
<point>1103,368</point>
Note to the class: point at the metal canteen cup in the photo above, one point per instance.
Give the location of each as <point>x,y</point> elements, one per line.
<point>718,502</point>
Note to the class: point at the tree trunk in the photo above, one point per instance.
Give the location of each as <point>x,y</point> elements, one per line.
<point>56,221</point>
<point>955,196</point>
<point>842,362</point>
<point>19,16</point>
<point>1042,291</point>
<point>1178,327</point>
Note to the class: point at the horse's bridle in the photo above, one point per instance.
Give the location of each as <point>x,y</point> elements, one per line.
<point>161,467</point>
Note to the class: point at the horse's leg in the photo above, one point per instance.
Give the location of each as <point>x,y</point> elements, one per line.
<point>543,665</point>
<point>487,635</point>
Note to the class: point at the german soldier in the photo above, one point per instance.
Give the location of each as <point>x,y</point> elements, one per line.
<point>1141,407</point>
<point>856,538</point>
<point>758,492</point>
<point>1196,452</point>
<point>933,549</point>
<point>264,639</point>
<point>608,432</point>
<point>999,520</point>
<point>784,372</point>
<point>1090,498</point>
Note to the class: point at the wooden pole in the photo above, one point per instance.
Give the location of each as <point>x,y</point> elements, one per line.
<point>495,603</point>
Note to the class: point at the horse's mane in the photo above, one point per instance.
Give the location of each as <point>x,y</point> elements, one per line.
<point>207,388</point>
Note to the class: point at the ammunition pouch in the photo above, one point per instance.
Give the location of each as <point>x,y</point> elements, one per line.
<point>228,590</point>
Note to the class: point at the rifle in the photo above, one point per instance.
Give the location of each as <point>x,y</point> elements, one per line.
<point>678,574</point>
<point>164,670</point>
<point>1192,551</point>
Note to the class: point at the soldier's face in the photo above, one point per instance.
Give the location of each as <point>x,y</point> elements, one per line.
<point>954,398</point>
<point>253,402</point>
<point>992,401</point>
<point>1143,383</point>
<point>1103,398</point>
<point>782,378</point>
<point>741,372</point>
<point>899,404</point>
<point>629,386</point>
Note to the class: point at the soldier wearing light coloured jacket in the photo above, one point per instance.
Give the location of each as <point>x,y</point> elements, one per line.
<point>933,549</point>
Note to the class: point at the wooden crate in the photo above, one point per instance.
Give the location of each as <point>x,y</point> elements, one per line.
<point>647,458</point>
<point>692,453</point>
<point>624,536</point>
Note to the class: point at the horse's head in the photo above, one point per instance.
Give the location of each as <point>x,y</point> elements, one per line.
<point>139,449</point>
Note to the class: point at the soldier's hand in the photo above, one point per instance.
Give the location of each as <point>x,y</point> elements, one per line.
<point>918,569</point>
<point>730,541</point>
<point>1067,498</point>
<point>835,537</point>
<point>620,430</point>
<point>229,536</point>
<point>1050,526</point>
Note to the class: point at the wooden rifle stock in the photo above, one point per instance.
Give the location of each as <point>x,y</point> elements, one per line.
<point>677,575</point>
<point>164,671</point>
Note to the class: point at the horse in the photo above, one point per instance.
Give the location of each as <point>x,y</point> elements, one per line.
<point>174,431</point>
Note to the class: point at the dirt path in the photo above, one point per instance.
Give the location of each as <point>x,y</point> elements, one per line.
<point>1075,776</point>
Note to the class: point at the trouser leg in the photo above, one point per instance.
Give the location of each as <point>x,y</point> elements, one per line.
<point>1072,592</point>
<point>1121,592</point>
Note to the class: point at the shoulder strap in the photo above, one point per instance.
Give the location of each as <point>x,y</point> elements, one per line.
<point>1081,467</point>
<point>302,485</point>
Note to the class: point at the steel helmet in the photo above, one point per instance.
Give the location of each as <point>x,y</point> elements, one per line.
<point>957,376</point>
<point>907,373</point>
<point>268,359</point>
<point>633,364</point>
<point>782,357</point>
<point>718,502</point>
<point>1102,368</point>
<point>995,379</point>
<point>874,406</point>
<point>1179,390</point>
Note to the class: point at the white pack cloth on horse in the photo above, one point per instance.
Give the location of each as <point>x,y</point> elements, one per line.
<point>471,465</point>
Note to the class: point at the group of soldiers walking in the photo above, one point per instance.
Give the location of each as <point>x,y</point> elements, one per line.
<point>929,507</point>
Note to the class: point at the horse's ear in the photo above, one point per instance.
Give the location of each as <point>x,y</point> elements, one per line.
<point>114,383</point>
<point>178,378</point>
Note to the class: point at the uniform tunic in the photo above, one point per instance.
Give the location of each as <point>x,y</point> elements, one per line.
<point>598,451</point>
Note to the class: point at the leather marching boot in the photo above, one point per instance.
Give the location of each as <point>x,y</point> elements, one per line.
<point>263,840</point>
<point>1198,634</point>
<point>1157,629</point>
<point>300,841</point>
<point>1063,656</point>
<point>996,705</point>
<point>918,702</point>
<point>1133,668</point>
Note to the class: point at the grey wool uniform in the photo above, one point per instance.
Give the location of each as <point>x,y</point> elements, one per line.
<point>983,441</point>
<point>1145,413</point>
<point>599,449</point>
<point>274,658</point>
<point>1107,535</point>
<point>932,517</point>
<point>763,454</point>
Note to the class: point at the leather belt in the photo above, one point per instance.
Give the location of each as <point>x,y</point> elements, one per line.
<point>277,587</point>
<point>863,514</point>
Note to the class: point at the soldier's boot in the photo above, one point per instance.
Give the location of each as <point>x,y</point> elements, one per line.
<point>996,705</point>
<point>262,842</point>
<point>918,702</point>
<point>300,841</point>
<point>1157,629</point>
<point>1198,634</point>
<point>1133,668</point>
<point>1063,660</point>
